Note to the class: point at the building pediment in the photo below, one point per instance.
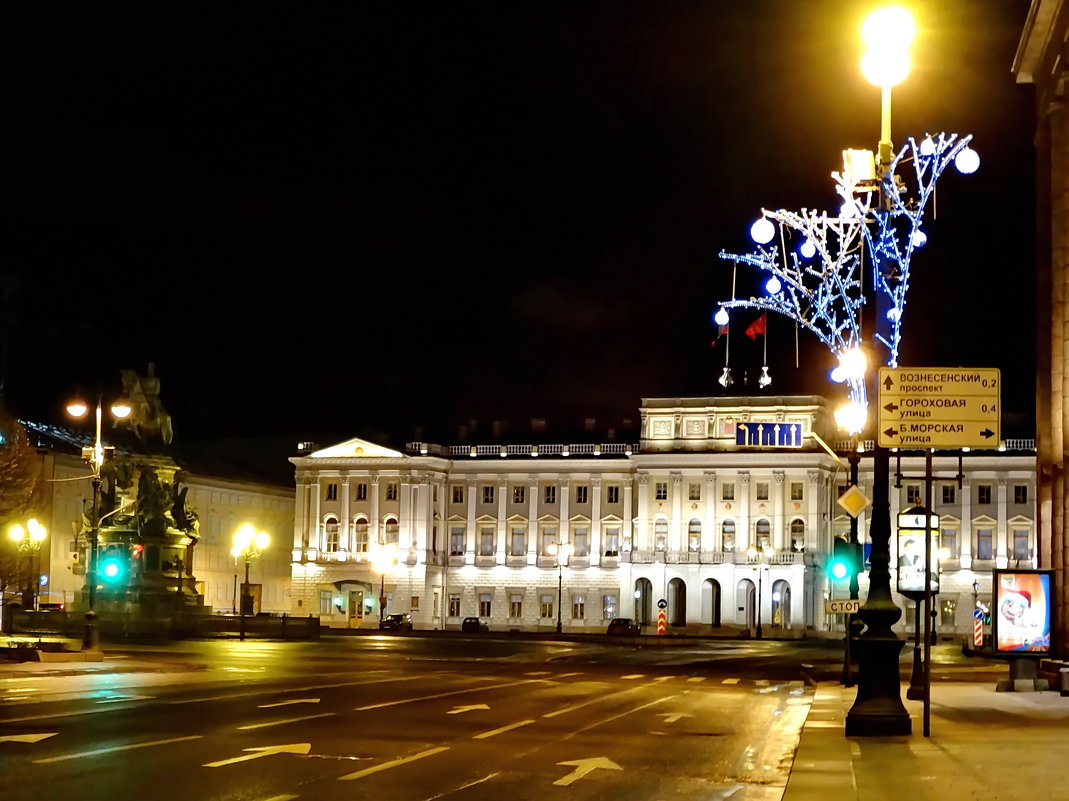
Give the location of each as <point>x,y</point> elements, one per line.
<point>356,448</point>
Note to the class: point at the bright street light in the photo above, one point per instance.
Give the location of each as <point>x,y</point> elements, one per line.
<point>383,558</point>
<point>28,541</point>
<point>249,544</point>
<point>562,552</point>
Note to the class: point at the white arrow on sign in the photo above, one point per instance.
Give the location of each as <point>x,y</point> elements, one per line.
<point>458,709</point>
<point>672,717</point>
<point>585,766</point>
<point>293,701</point>
<point>292,748</point>
<point>26,738</point>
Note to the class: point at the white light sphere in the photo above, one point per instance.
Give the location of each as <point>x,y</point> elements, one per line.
<point>919,238</point>
<point>773,286</point>
<point>851,417</point>
<point>893,314</point>
<point>927,146</point>
<point>967,161</point>
<point>853,363</point>
<point>808,249</point>
<point>837,375</point>
<point>762,231</point>
<point>848,210</point>
<point>721,317</point>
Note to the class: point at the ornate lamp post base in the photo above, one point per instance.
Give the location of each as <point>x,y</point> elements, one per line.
<point>878,709</point>
<point>91,635</point>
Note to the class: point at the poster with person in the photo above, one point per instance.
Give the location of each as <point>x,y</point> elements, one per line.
<point>1022,611</point>
<point>911,563</point>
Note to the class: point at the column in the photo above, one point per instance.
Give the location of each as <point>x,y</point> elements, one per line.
<point>300,516</point>
<point>812,510</point>
<point>966,523</point>
<point>710,530</point>
<point>405,534</point>
<point>314,534</point>
<point>532,519</point>
<point>1002,552</point>
<point>470,533</point>
<point>779,535</point>
<point>565,534</point>
<point>642,516</point>
<point>743,534</point>
<point>596,549</point>
<point>374,528</point>
<point>676,542</point>
<point>628,532</point>
<point>502,523</point>
<point>346,514</point>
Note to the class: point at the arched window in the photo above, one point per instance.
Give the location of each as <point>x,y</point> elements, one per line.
<point>360,537</point>
<point>660,535</point>
<point>763,532</point>
<point>727,529</point>
<point>392,530</point>
<point>330,534</point>
<point>694,534</point>
<point>798,535</point>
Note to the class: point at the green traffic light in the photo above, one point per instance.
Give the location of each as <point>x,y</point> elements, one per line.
<point>839,570</point>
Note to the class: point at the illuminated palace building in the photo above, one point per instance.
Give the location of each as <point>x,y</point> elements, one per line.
<point>723,515</point>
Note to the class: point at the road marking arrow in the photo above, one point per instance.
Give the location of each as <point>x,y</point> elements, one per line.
<point>292,748</point>
<point>672,717</point>
<point>459,709</point>
<point>293,701</point>
<point>26,738</point>
<point>585,766</point>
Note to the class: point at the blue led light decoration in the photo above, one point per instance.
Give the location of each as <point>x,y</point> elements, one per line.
<point>880,217</point>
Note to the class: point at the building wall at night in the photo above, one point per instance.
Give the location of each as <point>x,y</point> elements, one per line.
<point>467,530</point>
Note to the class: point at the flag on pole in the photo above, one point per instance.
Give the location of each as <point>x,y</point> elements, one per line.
<point>721,331</point>
<point>758,326</point>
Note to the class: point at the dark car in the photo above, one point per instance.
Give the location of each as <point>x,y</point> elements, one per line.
<point>623,625</point>
<point>473,624</point>
<point>397,622</point>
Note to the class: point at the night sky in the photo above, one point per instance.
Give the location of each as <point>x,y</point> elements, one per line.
<point>393,219</point>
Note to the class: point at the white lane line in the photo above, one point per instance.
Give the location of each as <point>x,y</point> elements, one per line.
<point>462,787</point>
<point>254,693</point>
<point>282,798</point>
<point>291,702</point>
<point>566,709</point>
<point>568,675</point>
<point>696,679</point>
<point>348,777</point>
<point>118,699</point>
<point>283,722</point>
<point>100,751</point>
<point>503,729</point>
<point>730,681</point>
<point>633,676</point>
<point>596,723</point>
<point>761,682</point>
<point>441,695</point>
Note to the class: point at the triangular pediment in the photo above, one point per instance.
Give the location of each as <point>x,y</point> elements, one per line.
<point>356,448</point>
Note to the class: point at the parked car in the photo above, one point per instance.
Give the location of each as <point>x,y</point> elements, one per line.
<point>623,625</point>
<point>473,624</point>
<point>397,622</point>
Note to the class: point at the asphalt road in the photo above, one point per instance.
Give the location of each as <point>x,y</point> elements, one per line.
<point>408,717</point>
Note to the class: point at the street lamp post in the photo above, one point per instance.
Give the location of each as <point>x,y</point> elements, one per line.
<point>384,557</point>
<point>757,553</point>
<point>880,218</point>
<point>28,542</point>
<point>560,552</point>
<point>120,410</point>
<point>249,544</point>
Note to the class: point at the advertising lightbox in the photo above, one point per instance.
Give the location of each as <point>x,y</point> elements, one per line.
<point>1021,619</point>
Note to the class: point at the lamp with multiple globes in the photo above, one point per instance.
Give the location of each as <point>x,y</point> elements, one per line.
<point>757,554</point>
<point>561,553</point>
<point>383,558</point>
<point>28,540</point>
<point>249,544</point>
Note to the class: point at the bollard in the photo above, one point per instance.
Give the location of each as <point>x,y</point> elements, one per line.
<point>1064,675</point>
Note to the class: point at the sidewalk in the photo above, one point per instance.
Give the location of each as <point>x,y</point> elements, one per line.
<point>984,746</point>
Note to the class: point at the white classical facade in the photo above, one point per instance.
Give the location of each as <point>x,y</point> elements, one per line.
<point>728,535</point>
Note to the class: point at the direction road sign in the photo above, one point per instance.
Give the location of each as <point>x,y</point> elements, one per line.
<point>939,407</point>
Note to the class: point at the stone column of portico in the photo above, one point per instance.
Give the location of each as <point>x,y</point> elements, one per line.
<point>375,535</point>
<point>346,524</point>
<point>1002,549</point>
<point>470,532</point>
<point>966,524</point>
<point>502,521</point>
<point>812,511</point>
<point>778,507</point>
<point>532,520</point>
<point>564,534</point>
<point>744,536</point>
<point>300,516</point>
<point>596,547</point>
<point>677,539</point>
<point>642,516</point>
<point>405,538</point>
<point>628,532</point>
<point>710,530</point>
<point>315,535</point>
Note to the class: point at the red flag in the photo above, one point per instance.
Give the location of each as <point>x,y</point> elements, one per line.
<point>720,332</point>
<point>757,326</point>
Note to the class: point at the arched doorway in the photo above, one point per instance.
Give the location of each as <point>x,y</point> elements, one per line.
<point>677,602</point>
<point>643,601</point>
<point>711,602</point>
<point>781,604</point>
<point>746,603</point>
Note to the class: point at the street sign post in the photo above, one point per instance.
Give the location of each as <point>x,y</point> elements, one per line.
<point>939,407</point>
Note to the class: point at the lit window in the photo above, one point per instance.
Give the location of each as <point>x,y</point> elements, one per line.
<point>519,493</point>
<point>330,542</point>
<point>797,491</point>
<point>549,541</point>
<point>515,606</point>
<point>613,494</point>
<point>694,535</point>
<point>484,605</point>
<point>581,493</point>
<point>456,542</point>
<point>551,494</point>
<point>661,491</point>
<point>608,607</point>
<point>392,530</point>
<point>1020,493</point>
<point>761,488</point>
<point>727,492</point>
<point>488,493</point>
<point>360,536</point>
<point>332,492</point>
<point>948,538</point>
<point>694,492</point>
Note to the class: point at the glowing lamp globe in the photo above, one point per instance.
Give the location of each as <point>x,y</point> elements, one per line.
<point>773,286</point>
<point>927,147</point>
<point>853,363</point>
<point>721,317</point>
<point>808,249</point>
<point>967,161</point>
<point>762,231</point>
<point>919,238</point>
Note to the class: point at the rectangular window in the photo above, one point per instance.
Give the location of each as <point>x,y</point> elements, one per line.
<point>456,542</point>
<point>1020,493</point>
<point>983,544</point>
<point>727,492</point>
<point>486,542</point>
<point>549,541</point>
<point>1022,544</point>
<point>578,607</point>
<point>694,492</point>
<point>611,537</point>
<point>948,538</point>
<point>913,498</point>
<point>947,611</point>
<point>519,542</point>
<point>762,491</point>
<point>608,607</point>
<point>581,541</point>
<point>545,606</point>
<point>484,604</point>
<point>613,494</point>
<point>950,493</point>
<point>361,492</point>
<point>515,606</point>
<point>661,491</point>
<point>551,493</point>
<point>797,491</point>
<point>391,491</point>
<point>581,493</point>
<point>983,493</point>
<point>519,493</point>
<point>454,606</point>
<point>332,492</point>
<point>488,493</point>
<point>458,494</point>
<point>326,602</point>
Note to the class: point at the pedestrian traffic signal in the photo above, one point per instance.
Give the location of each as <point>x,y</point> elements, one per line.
<point>114,565</point>
<point>844,559</point>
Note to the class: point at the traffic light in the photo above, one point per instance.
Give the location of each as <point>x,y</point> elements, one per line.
<point>844,559</point>
<point>114,565</point>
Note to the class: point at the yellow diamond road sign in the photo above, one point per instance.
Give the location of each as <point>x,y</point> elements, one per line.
<point>939,407</point>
